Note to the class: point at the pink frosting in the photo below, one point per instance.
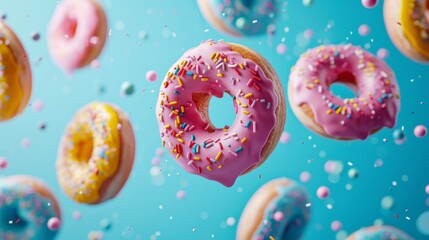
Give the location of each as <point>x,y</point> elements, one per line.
<point>72,32</point>
<point>217,154</point>
<point>377,102</point>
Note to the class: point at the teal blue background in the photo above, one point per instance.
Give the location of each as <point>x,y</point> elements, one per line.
<point>172,28</point>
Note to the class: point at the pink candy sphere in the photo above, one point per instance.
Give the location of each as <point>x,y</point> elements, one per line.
<point>322,192</point>
<point>427,189</point>
<point>305,176</point>
<point>369,3</point>
<point>180,194</point>
<point>278,216</point>
<point>54,223</point>
<point>151,76</point>
<point>336,226</point>
<point>363,30</point>
<point>281,48</point>
<point>420,131</point>
<point>3,163</point>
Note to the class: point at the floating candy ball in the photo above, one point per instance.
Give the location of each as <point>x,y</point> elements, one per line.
<point>427,189</point>
<point>307,3</point>
<point>322,192</point>
<point>151,76</point>
<point>281,48</point>
<point>76,215</point>
<point>308,34</point>
<point>423,223</point>
<point>420,131</point>
<point>369,3</point>
<point>95,235</point>
<point>285,137</point>
<point>278,216</point>
<point>398,134</point>
<point>382,53</point>
<point>305,177</point>
<point>353,173</point>
<point>127,88</point>
<point>180,194</point>
<point>363,30</point>
<point>105,224</point>
<point>54,223</point>
<point>25,143</point>
<point>336,226</point>
<point>387,202</point>
<point>35,36</point>
<point>3,163</point>
<point>159,152</point>
<point>37,105</point>
<point>95,64</point>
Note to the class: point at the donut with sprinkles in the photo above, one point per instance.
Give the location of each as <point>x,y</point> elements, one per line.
<point>375,105</point>
<point>407,22</point>
<point>240,17</point>
<point>379,232</point>
<point>212,69</point>
<point>279,210</point>
<point>26,208</point>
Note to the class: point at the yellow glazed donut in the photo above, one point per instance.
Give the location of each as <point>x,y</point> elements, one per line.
<point>407,22</point>
<point>96,154</point>
<point>15,74</point>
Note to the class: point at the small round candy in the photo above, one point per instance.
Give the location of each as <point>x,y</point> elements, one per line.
<point>305,176</point>
<point>420,131</point>
<point>278,216</point>
<point>322,192</point>
<point>307,3</point>
<point>353,173</point>
<point>127,88</point>
<point>76,215</point>
<point>382,53</point>
<point>427,189</point>
<point>336,226</point>
<point>285,137</point>
<point>180,194</point>
<point>151,76</point>
<point>35,36</point>
<point>369,3</point>
<point>398,134</point>
<point>387,202</point>
<point>363,30</point>
<point>105,224</point>
<point>281,48</point>
<point>54,223</point>
<point>3,163</point>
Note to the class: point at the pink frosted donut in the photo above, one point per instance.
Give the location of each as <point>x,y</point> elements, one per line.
<point>376,104</point>
<point>77,33</point>
<point>212,69</point>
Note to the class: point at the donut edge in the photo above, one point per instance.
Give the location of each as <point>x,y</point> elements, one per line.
<point>280,111</point>
<point>21,57</point>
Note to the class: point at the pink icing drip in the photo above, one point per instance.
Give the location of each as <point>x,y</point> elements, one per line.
<point>233,80</point>
<point>72,26</point>
<point>376,105</point>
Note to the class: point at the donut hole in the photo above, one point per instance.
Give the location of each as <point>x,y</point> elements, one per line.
<point>70,28</point>
<point>217,114</point>
<point>221,111</point>
<point>85,148</point>
<point>13,219</point>
<point>344,86</point>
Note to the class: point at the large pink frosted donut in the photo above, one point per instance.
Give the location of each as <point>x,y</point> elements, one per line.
<point>77,33</point>
<point>375,106</point>
<point>212,69</point>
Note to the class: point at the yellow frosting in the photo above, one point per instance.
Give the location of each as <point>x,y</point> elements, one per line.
<point>415,26</point>
<point>90,153</point>
<point>11,92</point>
